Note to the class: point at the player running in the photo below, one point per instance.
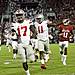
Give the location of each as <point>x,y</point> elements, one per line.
<point>43,40</point>
<point>14,42</point>
<point>22,29</point>
<point>65,30</point>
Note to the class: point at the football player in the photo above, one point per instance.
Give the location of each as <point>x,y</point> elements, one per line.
<point>22,29</point>
<point>65,30</point>
<point>34,41</point>
<point>14,43</point>
<point>43,40</point>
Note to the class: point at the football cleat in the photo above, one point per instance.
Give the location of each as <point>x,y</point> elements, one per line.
<point>64,63</point>
<point>43,66</point>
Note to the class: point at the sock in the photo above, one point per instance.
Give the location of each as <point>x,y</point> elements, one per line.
<point>42,61</point>
<point>64,59</point>
<point>46,56</point>
<point>14,56</point>
<point>27,72</point>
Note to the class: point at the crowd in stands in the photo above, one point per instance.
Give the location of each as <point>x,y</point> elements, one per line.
<point>56,9</point>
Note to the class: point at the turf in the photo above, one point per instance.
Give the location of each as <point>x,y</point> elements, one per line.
<point>8,66</point>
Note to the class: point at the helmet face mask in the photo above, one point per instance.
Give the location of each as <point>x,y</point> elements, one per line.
<point>66,22</point>
<point>19,15</point>
<point>40,18</point>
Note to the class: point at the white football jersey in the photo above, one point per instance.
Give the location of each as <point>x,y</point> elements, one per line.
<point>23,31</point>
<point>42,30</point>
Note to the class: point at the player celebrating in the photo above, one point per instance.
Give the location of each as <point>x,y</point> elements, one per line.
<point>22,29</point>
<point>65,30</point>
<point>43,41</point>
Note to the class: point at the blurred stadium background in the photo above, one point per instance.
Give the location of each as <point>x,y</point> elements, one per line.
<point>57,9</point>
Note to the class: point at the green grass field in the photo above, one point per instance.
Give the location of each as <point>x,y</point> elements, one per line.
<point>8,66</point>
